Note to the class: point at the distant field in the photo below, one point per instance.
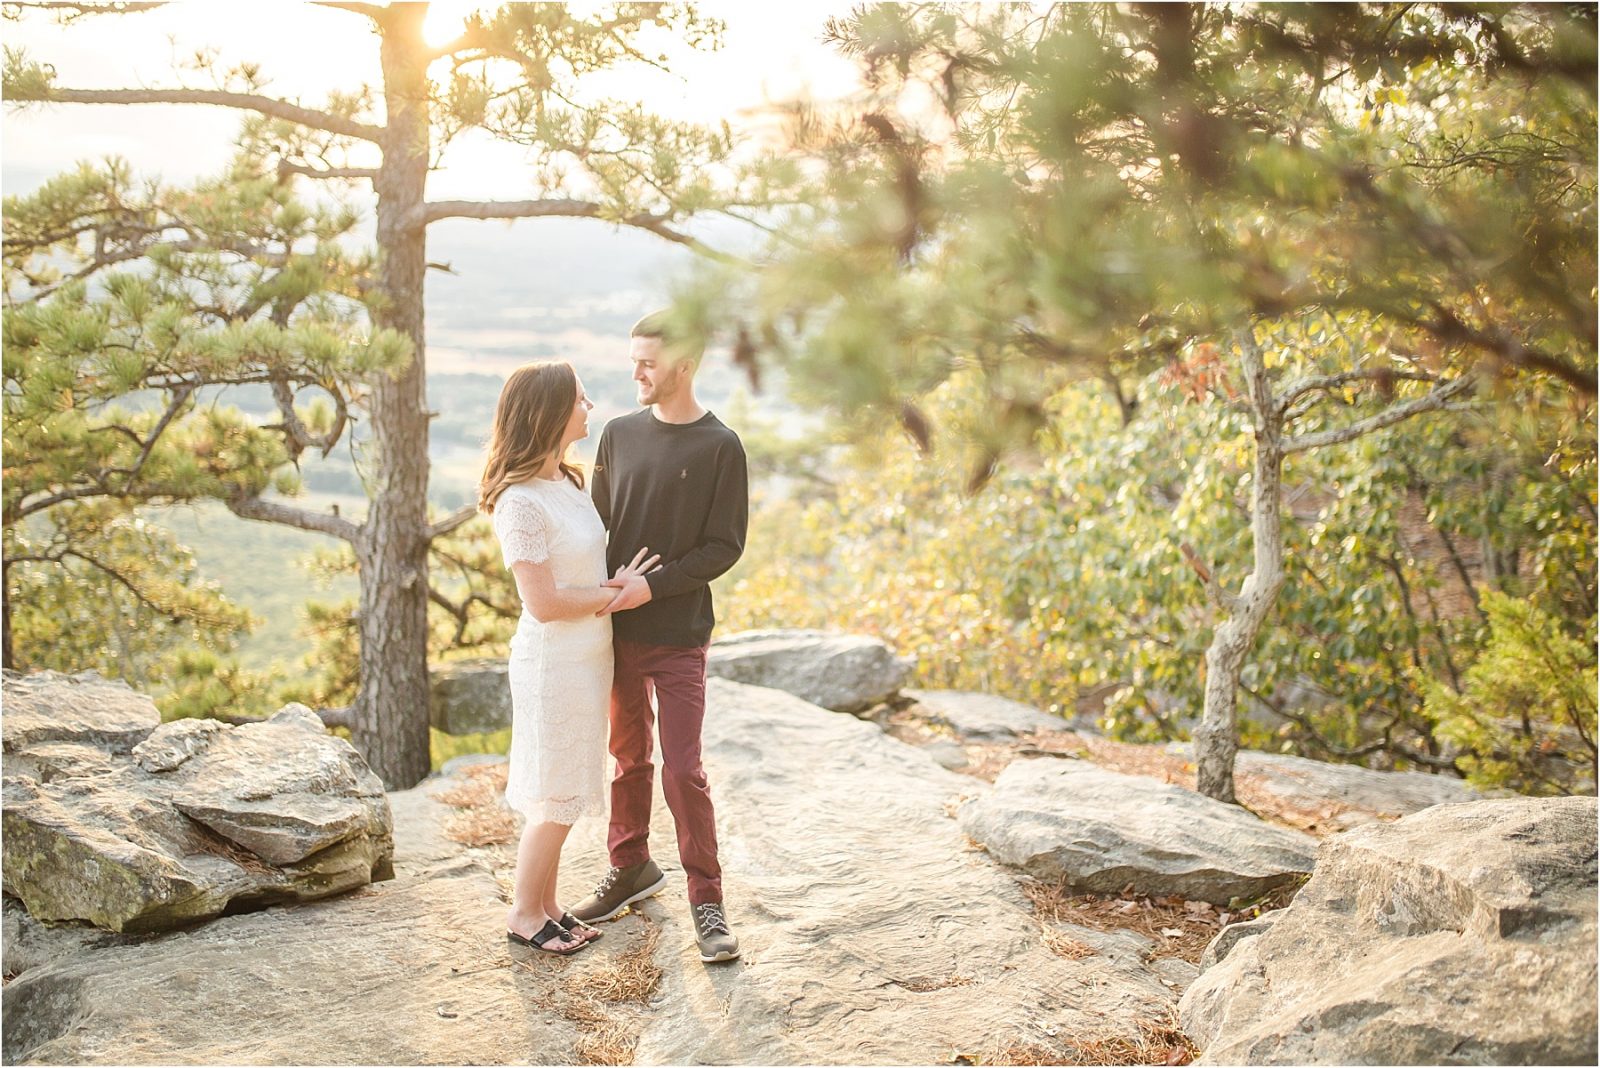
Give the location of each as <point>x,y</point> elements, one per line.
<point>260,566</point>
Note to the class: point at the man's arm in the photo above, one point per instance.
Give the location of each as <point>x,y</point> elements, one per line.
<point>719,549</point>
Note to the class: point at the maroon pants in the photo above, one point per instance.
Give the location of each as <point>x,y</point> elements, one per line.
<point>677,679</point>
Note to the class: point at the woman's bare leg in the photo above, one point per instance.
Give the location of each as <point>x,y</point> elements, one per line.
<point>552,904</point>
<point>538,855</point>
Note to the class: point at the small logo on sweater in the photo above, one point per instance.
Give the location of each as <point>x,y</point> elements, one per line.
<point>684,473</point>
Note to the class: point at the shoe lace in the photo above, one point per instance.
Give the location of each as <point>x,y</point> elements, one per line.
<point>709,916</point>
<point>608,882</point>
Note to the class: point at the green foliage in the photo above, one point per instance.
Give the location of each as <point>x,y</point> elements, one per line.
<point>1526,715</point>
<point>1064,582</point>
<point>94,587</point>
<point>1093,187</point>
<point>113,378</point>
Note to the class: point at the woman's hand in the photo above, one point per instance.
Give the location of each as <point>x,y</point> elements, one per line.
<point>629,585</point>
<point>638,566</point>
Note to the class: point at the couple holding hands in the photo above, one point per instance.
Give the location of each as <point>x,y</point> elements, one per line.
<point>616,620</point>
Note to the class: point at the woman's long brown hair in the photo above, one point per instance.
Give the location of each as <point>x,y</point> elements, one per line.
<point>533,411</point>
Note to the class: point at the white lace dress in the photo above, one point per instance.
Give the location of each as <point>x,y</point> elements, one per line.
<point>560,671</point>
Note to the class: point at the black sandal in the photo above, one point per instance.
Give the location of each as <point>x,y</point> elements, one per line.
<point>572,923</point>
<point>550,932</point>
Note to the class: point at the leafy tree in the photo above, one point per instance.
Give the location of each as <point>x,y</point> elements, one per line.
<point>1098,189</point>
<point>1526,715</point>
<point>515,73</point>
<point>130,310</point>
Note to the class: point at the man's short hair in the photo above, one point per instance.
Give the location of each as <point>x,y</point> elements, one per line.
<point>676,343</point>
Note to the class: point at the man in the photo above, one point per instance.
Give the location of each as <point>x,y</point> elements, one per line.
<point>672,477</point>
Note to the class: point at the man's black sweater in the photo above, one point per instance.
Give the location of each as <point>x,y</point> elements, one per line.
<point>682,490</point>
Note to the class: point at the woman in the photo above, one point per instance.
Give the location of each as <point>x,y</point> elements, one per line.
<point>561,663</point>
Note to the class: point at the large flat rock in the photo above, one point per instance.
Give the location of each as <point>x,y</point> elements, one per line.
<point>1100,831</point>
<point>872,934</point>
<point>844,672</point>
<point>1464,934</point>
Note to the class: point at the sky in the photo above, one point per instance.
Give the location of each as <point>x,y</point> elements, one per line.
<point>771,52</point>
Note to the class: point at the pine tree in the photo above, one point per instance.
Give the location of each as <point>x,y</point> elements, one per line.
<point>513,73</point>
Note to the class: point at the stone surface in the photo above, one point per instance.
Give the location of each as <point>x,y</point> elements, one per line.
<point>85,709</point>
<point>1337,797</point>
<point>470,696</point>
<point>1464,934</point>
<point>983,716</point>
<point>196,818</point>
<point>844,672</point>
<point>872,935</point>
<point>1101,831</point>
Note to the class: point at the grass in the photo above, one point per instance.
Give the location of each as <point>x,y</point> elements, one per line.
<point>483,820</point>
<point>1153,1041</point>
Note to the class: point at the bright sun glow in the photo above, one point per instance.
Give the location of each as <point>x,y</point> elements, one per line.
<point>445,20</point>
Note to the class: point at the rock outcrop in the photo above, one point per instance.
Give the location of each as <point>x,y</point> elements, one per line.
<point>983,716</point>
<point>872,934</point>
<point>844,672</point>
<point>1337,797</point>
<point>193,818</point>
<point>470,696</point>
<point>1100,831</point>
<point>1464,934</point>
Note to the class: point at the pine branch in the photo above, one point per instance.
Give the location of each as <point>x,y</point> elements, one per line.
<point>266,105</point>
<point>300,518</point>
<point>1437,398</point>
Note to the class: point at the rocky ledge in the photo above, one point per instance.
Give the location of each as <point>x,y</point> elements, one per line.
<point>117,819</point>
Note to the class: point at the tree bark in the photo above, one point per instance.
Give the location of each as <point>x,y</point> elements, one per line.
<point>390,714</point>
<point>1216,740</point>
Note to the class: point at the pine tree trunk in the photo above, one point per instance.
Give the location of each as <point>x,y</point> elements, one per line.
<point>1216,740</point>
<point>390,714</point>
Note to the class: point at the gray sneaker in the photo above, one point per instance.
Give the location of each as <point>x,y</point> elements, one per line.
<point>711,931</point>
<point>620,888</point>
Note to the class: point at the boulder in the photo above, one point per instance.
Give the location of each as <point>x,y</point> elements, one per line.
<point>982,716</point>
<point>844,672</point>
<point>195,819</point>
<point>1336,797</point>
<point>1464,934</point>
<point>1102,830</point>
<point>470,696</point>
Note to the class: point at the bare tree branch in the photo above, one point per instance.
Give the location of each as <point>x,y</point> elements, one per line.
<point>70,11</point>
<point>273,512</point>
<point>562,208</point>
<point>285,168</point>
<point>452,521</point>
<point>371,11</point>
<point>1436,398</point>
<point>266,105</point>
<point>1294,390</point>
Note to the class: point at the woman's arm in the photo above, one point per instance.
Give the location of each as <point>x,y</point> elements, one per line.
<point>547,602</point>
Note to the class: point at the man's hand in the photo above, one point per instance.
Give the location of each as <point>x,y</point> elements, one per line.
<point>635,591</point>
